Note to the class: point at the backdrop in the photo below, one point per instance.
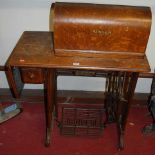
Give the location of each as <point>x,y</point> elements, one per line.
<point>17,16</point>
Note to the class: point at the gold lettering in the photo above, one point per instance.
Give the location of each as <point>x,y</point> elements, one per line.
<point>101,32</point>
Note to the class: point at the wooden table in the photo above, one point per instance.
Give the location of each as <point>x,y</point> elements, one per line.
<point>33,61</point>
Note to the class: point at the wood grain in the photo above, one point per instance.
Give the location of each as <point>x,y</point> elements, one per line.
<point>99,30</point>
<point>35,49</point>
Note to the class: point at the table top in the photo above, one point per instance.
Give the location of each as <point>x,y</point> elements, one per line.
<point>35,49</point>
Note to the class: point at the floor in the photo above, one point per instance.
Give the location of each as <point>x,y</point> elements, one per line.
<point>25,134</point>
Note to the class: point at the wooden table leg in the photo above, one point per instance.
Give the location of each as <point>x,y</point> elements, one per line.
<point>124,105</point>
<point>120,88</point>
<point>55,99</point>
<point>49,88</point>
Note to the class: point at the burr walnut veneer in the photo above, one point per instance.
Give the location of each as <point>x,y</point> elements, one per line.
<point>98,30</point>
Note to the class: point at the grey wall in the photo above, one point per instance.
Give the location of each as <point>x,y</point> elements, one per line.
<point>17,16</point>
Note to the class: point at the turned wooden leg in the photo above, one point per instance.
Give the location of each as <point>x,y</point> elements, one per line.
<point>49,102</point>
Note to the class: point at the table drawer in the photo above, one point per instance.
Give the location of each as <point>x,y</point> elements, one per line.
<point>32,75</point>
